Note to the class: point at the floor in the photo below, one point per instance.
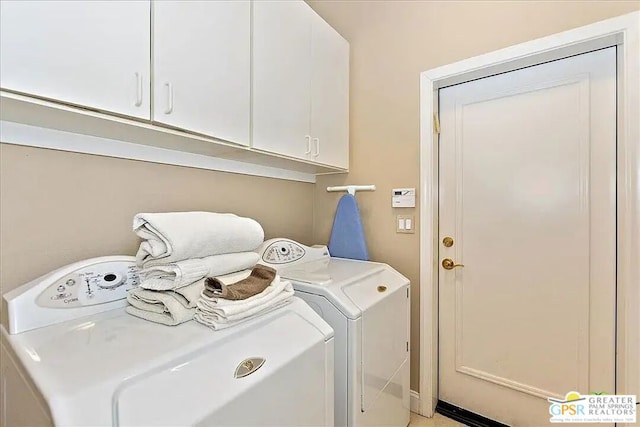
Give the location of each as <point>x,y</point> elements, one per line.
<point>437,421</point>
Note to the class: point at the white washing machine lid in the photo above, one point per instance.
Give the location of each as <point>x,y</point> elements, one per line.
<point>80,367</point>
<point>351,285</point>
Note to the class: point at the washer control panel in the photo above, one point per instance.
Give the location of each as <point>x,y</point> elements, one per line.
<point>90,285</point>
<point>286,251</point>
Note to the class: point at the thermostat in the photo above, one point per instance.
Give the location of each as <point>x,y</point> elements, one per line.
<point>403,198</point>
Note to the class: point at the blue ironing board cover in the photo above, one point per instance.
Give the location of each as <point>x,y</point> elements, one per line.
<point>347,235</point>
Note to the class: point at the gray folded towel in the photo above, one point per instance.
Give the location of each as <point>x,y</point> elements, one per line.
<point>261,276</point>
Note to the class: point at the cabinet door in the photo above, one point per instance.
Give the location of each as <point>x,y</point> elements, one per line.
<point>89,53</point>
<point>329,95</point>
<point>281,77</point>
<point>202,67</point>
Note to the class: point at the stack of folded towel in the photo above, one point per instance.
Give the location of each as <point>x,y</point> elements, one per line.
<point>231,299</point>
<point>178,251</point>
<point>170,307</point>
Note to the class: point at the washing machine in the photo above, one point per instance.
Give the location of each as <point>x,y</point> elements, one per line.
<point>367,305</point>
<point>72,356</point>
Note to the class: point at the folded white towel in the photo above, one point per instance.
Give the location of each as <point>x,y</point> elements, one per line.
<point>176,236</point>
<point>220,313</point>
<point>216,322</point>
<point>182,273</point>
<point>166,307</point>
<point>231,308</point>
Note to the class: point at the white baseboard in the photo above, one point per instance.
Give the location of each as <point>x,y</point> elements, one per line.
<point>414,400</point>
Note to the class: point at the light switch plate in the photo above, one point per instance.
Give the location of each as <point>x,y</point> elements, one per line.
<point>405,220</point>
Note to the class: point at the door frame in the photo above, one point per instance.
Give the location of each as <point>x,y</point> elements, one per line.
<point>623,32</point>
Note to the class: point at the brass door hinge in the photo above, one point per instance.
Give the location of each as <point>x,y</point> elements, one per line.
<point>436,123</point>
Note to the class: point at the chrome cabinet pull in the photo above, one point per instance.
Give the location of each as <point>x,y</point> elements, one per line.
<point>169,108</point>
<point>138,89</point>
<point>308,138</point>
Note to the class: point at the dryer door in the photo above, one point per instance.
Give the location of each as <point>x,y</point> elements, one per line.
<point>208,387</point>
<point>384,302</point>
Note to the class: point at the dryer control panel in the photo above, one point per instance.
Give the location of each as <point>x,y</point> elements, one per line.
<point>94,284</point>
<point>286,252</point>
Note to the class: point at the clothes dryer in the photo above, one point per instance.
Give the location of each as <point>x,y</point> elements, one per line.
<point>367,304</point>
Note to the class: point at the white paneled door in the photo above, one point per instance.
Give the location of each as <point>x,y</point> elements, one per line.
<point>527,197</point>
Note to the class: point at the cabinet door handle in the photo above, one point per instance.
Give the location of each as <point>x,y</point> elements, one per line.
<point>169,108</point>
<point>138,89</point>
<point>308,138</point>
<point>317,141</point>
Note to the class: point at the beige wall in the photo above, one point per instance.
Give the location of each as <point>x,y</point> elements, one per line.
<point>57,207</point>
<point>391,43</point>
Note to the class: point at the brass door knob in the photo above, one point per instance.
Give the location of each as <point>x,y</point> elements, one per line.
<point>448,264</point>
<point>447,242</point>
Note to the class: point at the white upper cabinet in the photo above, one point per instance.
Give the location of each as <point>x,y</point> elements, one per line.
<point>253,80</point>
<point>89,53</point>
<point>329,95</point>
<point>202,67</point>
<point>300,84</point>
<point>282,77</point>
